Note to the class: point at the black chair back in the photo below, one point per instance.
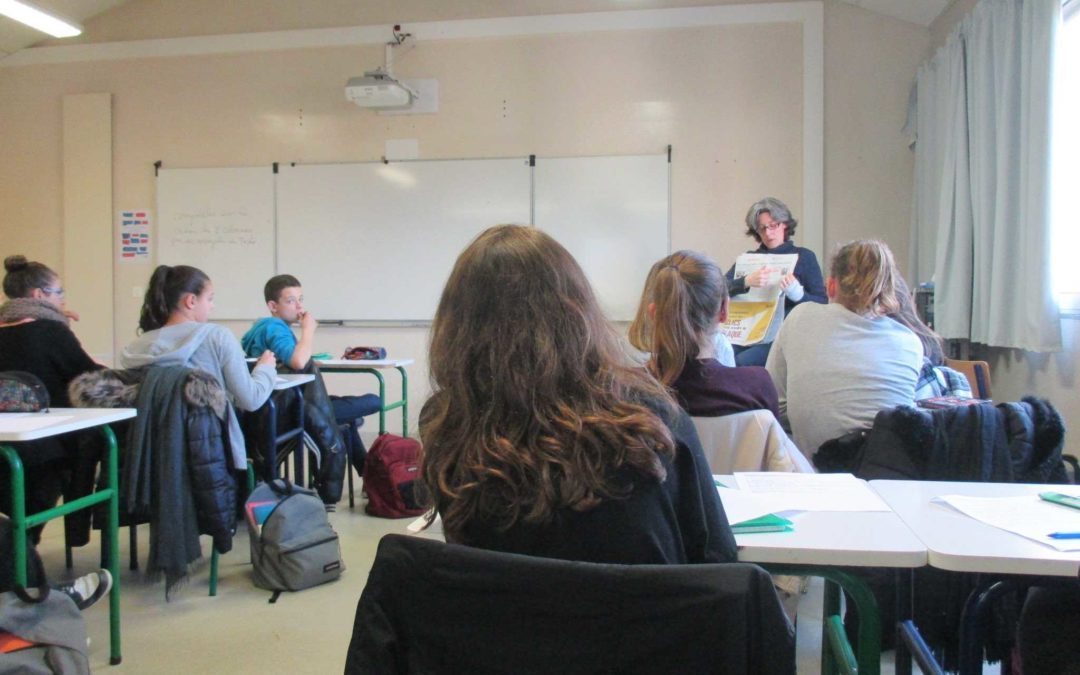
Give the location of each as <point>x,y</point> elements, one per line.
<point>432,607</point>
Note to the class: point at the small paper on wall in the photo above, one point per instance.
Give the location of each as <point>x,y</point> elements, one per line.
<point>134,236</point>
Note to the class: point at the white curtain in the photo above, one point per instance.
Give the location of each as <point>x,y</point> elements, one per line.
<point>982,177</point>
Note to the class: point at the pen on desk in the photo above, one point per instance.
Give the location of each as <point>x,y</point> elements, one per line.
<point>1064,535</point>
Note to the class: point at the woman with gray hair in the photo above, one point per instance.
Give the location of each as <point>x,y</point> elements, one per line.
<point>770,223</point>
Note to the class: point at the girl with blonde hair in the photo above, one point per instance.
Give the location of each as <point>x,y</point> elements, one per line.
<point>540,436</point>
<point>835,366</point>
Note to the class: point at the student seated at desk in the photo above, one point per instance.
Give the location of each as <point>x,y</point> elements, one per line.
<point>684,301</point>
<point>836,366</point>
<point>175,332</point>
<point>285,299</point>
<point>541,437</point>
<point>35,337</point>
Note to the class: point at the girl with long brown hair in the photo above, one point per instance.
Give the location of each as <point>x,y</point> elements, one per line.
<point>541,437</point>
<point>835,366</point>
<point>684,301</point>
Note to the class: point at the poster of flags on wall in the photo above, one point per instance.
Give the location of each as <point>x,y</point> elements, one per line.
<point>135,236</point>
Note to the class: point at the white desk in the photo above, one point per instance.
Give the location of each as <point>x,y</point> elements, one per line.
<point>824,541</point>
<point>373,367</point>
<point>16,427</point>
<point>958,543</point>
<point>354,364</point>
<point>289,381</point>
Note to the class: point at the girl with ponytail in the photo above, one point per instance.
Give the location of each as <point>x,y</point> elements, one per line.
<point>684,301</point>
<point>174,332</point>
<point>836,366</point>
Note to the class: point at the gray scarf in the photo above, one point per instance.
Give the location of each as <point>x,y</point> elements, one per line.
<point>18,309</point>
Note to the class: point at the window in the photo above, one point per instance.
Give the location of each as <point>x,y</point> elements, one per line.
<point>1065,171</point>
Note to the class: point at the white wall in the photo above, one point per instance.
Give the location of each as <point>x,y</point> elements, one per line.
<point>728,98</point>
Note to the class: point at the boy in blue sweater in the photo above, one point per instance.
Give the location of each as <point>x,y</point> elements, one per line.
<point>285,299</point>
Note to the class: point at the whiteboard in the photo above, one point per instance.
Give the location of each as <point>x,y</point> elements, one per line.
<point>376,241</point>
<point>612,214</point>
<point>221,221</point>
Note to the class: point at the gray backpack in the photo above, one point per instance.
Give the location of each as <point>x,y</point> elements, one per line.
<point>292,544</point>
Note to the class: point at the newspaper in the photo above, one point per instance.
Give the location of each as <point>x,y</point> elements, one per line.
<point>755,316</point>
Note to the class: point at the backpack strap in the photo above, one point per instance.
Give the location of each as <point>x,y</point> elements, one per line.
<point>43,589</point>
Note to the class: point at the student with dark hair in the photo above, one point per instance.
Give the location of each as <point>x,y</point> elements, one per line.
<point>684,301</point>
<point>35,337</point>
<point>836,366</point>
<point>285,299</point>
<point>540,437</point>
<point>175,332</point>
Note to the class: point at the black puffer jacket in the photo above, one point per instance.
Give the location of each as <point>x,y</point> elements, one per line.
<point>1011,442</point>
<point>205,432</point>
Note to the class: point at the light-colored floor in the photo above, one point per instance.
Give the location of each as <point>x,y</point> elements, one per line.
<point>240,632</point>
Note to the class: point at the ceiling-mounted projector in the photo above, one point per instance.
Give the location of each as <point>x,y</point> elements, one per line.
<point>376,89</point>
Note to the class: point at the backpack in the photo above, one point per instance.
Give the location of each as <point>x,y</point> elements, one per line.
<point>293,546</point>
<point>22,392</point>
<point>390,474</point>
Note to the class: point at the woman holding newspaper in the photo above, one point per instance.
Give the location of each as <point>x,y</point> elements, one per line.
<point>770,223</point>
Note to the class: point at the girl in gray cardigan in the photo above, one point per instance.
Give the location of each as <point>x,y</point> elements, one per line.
<point>175,332</point>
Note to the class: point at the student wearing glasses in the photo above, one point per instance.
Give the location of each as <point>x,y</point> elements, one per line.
<point>35,337</point>
<point>770,223</point>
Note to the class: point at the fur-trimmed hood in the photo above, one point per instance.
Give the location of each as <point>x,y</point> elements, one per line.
<point>120,389</point>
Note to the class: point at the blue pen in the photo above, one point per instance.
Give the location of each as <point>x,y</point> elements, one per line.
<point>1064,535</point>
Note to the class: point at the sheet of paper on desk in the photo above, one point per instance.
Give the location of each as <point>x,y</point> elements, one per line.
<point>18,422</point>
<point>812,491</point>
<point>1027,516</point>
<point>740,505</point>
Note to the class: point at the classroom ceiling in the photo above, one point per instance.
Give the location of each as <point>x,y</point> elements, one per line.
<point>14,36</point>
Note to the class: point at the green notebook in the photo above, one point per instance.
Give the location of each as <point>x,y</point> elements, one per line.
<point>767,523</point>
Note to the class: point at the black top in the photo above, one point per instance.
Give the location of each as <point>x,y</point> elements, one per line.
<point>679,520</point>
<point>49,350</point>
<point>707,388</point>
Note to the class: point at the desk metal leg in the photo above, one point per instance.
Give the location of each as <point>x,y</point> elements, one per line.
<point>299,477</point>
<point>18,512</point>
<point>114,546</point>
<point>974,617</point>
<point>270,441</point>
<point>404,402</point>
<point>909,641</point>
<point>110,538</point>
<point>382,399</point>
<point>868,645</point>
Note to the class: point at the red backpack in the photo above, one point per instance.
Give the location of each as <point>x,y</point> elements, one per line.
<point>390,474</point>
